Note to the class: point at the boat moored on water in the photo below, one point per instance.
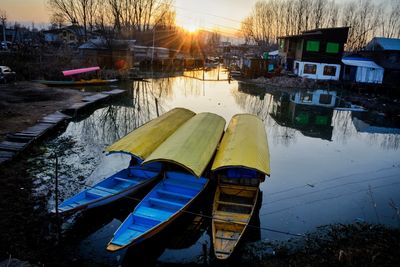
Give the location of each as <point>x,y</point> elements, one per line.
<point>241,163</point>
<point>140,143</point>
<point>186,154</point>
<point>78,82</point>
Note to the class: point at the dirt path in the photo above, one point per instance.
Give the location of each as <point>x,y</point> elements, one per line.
<point>23,103</point>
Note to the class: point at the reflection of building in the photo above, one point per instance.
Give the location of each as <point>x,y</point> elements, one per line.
<point>314,54</point>
<point>320,98</point>
<point>372,123</point>
<point>309,113</point>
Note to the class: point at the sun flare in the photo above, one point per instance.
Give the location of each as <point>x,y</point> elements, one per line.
<point>190,28</point>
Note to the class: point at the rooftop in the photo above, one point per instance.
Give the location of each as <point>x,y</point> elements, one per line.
<point>382,43</point>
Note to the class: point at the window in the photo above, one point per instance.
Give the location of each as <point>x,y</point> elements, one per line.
<point>306,98</point>
<point>332,47</point>
<point>325,99</point>
<point>310,68</point>
<point>312,46</point>
<point>329,70</point>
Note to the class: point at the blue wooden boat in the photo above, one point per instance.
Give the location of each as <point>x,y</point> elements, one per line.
<point>187,152</point>
<point>121,184</point>
<point>139,144</point>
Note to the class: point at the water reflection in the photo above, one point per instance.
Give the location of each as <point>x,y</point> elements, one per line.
<point>310,119</point>
<point>322,160</point>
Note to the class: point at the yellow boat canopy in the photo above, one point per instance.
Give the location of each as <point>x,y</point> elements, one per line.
<point>244,145</point>
<point>142,141</point>
<point>192,145</point>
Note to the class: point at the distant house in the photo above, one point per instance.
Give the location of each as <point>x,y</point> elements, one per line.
<point>314,54</point>
<point>108,53</point>
<point>386,53</point>
<point>71,34</point>
<point>362,70</point>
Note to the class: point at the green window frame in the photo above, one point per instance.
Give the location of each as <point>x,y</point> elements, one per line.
<point>332,48</point>
<point>312,46</point>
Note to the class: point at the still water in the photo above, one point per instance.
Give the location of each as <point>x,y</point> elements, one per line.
<point>327,166</point>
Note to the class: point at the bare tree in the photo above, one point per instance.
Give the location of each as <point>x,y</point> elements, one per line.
<point>3,19</point>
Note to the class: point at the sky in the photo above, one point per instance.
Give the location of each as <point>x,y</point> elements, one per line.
<point>225,15</point>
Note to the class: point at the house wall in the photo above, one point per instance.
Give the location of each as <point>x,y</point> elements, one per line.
<point>317,71</point>
<point>369,75</point>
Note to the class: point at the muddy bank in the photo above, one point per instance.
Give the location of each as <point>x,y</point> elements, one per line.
<point>23,103</point>
<point>333,245</point>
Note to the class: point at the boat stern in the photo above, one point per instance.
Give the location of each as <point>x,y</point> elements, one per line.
<point>112,247</point>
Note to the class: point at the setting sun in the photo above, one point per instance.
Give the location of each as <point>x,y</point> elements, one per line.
<point>190,28</point>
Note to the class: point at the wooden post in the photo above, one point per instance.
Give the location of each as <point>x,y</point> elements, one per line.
<point>56,195</point>
<point>156,100</point>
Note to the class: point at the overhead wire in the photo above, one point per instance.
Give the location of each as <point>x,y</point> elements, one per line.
<point>209,217</point>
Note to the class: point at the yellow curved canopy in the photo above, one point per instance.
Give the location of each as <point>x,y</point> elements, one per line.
<point>192,145</point>
<point>244,144</point>
<point>142,141</point>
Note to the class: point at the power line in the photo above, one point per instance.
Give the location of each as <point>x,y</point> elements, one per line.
<point>210,217</point>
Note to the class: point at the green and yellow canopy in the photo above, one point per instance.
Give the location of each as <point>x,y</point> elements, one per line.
<point>244,145</point>
<point>193,145</point>
<point>142,141</point>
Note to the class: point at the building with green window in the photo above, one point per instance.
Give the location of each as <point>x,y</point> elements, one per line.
<point>314,54</point>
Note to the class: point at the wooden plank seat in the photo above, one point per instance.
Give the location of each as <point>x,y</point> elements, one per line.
<point>98,193</point>
<point>107,190</point>
<point>154,214</point>
<point>173,194</point>
<point>157,201</point>
<point>139,228</point>
<point>235,204</point>
<point>177,183</point>
<point>125,180</point>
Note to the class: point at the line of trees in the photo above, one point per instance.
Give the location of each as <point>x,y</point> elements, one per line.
<point>122,15</point>
<point>272,18</point>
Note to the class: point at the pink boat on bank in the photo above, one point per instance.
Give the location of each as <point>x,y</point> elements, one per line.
<point>78,71</point>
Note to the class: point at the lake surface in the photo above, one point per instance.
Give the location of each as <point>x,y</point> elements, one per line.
<point>327,166</point>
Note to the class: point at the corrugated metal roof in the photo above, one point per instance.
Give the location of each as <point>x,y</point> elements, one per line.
<point>360,62</point>
<point>385,43</point>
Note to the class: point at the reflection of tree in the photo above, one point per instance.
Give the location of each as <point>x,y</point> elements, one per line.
<point>344,129</point>
<point>262,108</point>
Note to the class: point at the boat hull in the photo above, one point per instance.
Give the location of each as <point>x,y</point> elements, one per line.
<point>233,208</point>
<point>171,197</point>
<point>109,190</point>
<point>77,83</point>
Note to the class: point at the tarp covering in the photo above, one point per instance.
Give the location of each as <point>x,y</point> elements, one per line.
<point>78,71</point>
<point>192,145</point>
<point>144,140</point>
<point>244,145</point>
<point>361,62</point>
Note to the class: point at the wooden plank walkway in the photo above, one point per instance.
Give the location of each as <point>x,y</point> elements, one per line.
<point>95,98</point>
<point>115,92</point>
<point>55,118</point>
<point>17,142</point>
